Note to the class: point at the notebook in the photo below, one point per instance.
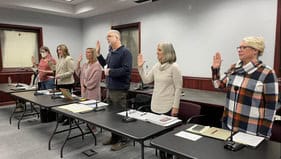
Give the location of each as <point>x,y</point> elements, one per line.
<point>213,132</point>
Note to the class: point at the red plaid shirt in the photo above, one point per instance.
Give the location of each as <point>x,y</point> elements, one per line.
<point>257,97</point>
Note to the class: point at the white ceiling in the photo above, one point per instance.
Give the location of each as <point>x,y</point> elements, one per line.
<point>75,9</point>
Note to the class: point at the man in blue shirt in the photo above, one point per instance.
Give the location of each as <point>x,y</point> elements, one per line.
<point>117,69</point>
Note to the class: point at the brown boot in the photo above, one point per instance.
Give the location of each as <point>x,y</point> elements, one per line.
<point>118,146</point>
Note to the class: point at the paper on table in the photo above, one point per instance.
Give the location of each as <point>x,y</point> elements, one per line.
<point>217,133</point>
<point>187,135</point>
<point>247,139</point>
<point>89,102</point>
<point>162,120</point>
<point>76,108</point>
<point>213,132</point>
<point>94,105</point>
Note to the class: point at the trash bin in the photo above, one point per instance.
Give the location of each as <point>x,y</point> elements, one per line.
<point>47,115</point>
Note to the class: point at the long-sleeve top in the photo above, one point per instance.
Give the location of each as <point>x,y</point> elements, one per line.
<point>256,97</point>
<point>65,70</point>
<point>167,80</point>
<point>119,62</point>
<point>90,77</point>
<point>45,71</point>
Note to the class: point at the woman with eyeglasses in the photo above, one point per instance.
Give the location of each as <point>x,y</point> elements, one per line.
<point>45,72</point>
<point>252,89</point>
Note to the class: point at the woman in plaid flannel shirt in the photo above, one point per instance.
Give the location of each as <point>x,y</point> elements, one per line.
<point>257,94</point>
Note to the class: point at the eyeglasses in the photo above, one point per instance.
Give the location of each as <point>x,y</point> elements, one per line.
<point>244,47</point>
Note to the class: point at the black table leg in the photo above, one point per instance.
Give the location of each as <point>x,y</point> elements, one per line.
<point>22,115</point>
<point>142,149</point>
<point>92,134</point>
<point>67,137</point>
<point>33,108</point>
<point>13,112</point>
<point>77,124</point>
<point>54,132</point>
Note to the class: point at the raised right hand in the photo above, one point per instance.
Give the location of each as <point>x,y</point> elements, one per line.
<point>98,48</point>
<point>140,60</point>
<point>33,60</point>
<point>217,60</point>
<point>80,58</point>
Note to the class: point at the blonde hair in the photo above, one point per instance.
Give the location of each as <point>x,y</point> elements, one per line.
<point>255,42</point>
<point>94,53</point>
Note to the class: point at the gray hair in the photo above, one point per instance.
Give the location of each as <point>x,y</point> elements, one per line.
<point>168,52</point>
<point>116,33</point>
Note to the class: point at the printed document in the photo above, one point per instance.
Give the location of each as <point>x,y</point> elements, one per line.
<point>187,135</point>
<point>163,120</point>
<point>247,139</point>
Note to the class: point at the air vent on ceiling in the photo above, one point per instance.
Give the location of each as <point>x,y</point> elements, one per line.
<point>142,1</point>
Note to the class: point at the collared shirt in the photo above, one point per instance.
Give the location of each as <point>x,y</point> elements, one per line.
<point>255,99</point>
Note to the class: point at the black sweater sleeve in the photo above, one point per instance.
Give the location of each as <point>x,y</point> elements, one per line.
<point>101,60</point>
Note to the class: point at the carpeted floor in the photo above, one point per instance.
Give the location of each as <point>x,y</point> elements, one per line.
<point>31,142</point>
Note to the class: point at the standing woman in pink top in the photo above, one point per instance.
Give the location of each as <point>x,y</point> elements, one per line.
<point>90,75</point>
<point>46,76</point>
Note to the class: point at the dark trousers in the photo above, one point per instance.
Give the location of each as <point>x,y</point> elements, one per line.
<point>117,98</point>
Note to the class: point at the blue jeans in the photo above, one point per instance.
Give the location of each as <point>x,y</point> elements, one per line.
<point>48,84</point>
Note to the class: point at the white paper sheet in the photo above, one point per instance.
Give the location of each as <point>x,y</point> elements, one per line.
<point>247,139</point>
<point>187,135</point>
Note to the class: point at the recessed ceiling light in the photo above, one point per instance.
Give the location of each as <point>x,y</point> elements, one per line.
<point>68,0</point>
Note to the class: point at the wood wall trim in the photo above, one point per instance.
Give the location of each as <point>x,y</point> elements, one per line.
<point>201,83</point>
<point>188,82</point>
<point>277,57</point>
<point>7,103</point>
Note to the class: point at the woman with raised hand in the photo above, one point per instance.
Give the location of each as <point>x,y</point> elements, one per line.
<point>45,70</point>
<point>90,75</point>
<point>252,89</point>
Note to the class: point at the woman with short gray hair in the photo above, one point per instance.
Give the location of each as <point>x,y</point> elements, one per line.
<point>167,79</point>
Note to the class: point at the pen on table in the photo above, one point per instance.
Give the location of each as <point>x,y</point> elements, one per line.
<point>214,132</point>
